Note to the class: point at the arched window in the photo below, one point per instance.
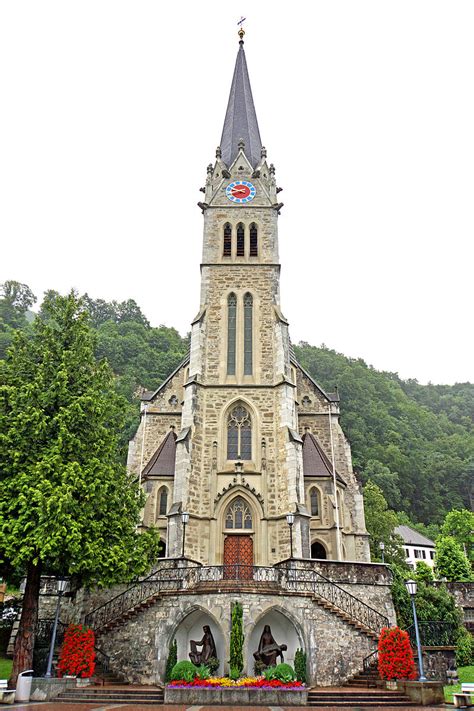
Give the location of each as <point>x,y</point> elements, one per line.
<point>240,240</point>
<point>162,501</point>
<point>231,333</point>
<point>162,550</point>
<point>238,515</point>
<point>253,240</point>
<point>318,550</point>
<point>227,240</point>
<point>248,318</point>
<point>239,434</point>
<point>314,500</point>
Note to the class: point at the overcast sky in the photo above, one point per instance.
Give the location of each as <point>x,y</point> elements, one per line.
<point>111,110</point>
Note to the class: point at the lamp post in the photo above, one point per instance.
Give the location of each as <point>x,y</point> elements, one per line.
<point>411,588</point>
<point>184,520</point>
<point>290,519</point>
<point>61,587</point>
<point>382,549</point>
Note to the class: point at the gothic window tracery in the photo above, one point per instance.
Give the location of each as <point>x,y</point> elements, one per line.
<point>227,252</point>
<point>248,336</point>
<point>238,515</point>
<point>231,332</point>
<point>240,240</point>
<point>239,434</point>
<point>253,240</point>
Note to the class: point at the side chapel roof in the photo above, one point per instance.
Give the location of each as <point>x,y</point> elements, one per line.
<point>162,463</point>
<point>241,119</point>
<point>315,461</point>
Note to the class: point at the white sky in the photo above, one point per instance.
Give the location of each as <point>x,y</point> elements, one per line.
<point>111,110</point>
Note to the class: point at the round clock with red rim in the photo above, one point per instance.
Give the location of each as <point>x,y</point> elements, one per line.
<point>240,191</point>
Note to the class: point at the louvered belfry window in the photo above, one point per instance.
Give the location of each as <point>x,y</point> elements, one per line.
<point>231,332</point>
<point>227,240</point>
<point>238,515</point>
<point>239,434</point>
<point>248,324</point>
<point>240,240</point>
<point>253,240</point>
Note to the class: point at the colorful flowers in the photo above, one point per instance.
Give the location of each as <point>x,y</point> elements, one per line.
<point>248,682</point>
<point>77,655</point>
<point>395,655</point>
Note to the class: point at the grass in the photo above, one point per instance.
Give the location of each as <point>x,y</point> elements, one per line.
<point>5,668</point>
<point>466,674</point>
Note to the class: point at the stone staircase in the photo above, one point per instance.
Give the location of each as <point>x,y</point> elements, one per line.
<point>354,698</point>
<point>346,617</point>
<point>117,694</point>
<point>365,679</point>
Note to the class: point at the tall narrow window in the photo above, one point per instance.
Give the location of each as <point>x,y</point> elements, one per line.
<point>240,240</point>
<point>163,501</point>
<point>314,502</point>
<point>227,240</point>
<point>248,318</point>
<point>253,240</point>
<point>239,434</point>
<point>231,332</point>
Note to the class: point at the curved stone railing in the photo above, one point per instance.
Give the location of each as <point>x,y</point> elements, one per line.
<point>184,576</point>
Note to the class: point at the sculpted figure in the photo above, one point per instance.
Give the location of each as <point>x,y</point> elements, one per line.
<point>208,648</point>
<point>268,649</point>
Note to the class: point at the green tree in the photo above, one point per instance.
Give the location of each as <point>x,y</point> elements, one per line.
<point>67,505</point>
<point>381,522</point>
<point>450,560</point>
<point>460,525</point>
<point>236,661</point>
<point>15,300</point>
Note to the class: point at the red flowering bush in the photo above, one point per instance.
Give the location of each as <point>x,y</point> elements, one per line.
<point>395,655</point>
<point>77,655</point>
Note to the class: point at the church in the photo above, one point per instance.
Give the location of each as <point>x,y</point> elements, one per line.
<point>247,473</point>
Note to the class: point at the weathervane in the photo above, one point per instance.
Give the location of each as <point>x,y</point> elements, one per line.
<point>241,29</point>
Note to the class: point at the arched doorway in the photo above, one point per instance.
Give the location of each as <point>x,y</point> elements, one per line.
<point>318,550</point>
<point>238,542</point>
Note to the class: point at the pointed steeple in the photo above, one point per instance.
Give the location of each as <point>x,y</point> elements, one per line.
<point>241,120</point>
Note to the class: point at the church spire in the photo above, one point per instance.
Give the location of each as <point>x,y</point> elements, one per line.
<point>241,119</point>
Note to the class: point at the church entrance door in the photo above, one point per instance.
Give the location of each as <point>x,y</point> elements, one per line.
<point>238,558</point>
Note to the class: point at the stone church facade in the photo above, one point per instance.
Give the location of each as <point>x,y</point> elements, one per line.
<point>235,440</point>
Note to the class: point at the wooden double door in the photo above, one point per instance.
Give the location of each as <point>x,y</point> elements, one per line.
<point>238,557</point>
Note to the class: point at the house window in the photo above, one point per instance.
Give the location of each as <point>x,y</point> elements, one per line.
<point>239,434</point>
<point>253,240</point>
<point>162,501</point>
<point>227,240</point>
<point>238,515</point>
<point>248,317</point>
<point>423,552</point>
<point>314,500</point>
<point>417,553</point>
<point>432,555</point>
<point>240,240</point>
<point>231,333</point>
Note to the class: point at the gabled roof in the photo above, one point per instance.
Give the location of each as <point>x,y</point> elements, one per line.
<point>412,537</point>
<point>315,461</point>
<point>149,395</point>
<point>241,119</point>
<point>163,461</point>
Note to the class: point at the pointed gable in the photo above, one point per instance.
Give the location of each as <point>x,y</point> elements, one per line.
<point>315,461</point>
<point>162,463</point>
<point>241,119</point>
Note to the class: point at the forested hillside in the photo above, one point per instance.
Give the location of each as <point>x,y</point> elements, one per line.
<point>415,441</point>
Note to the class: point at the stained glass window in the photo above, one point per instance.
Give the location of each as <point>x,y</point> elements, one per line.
<point>227,240</point>
<point>253,240</point>
<point>240,240</point>
<point>314,502</point>
<point>238,515</point>
<point>248,318</point>
<point>231,333</point>
<point>239,434</point>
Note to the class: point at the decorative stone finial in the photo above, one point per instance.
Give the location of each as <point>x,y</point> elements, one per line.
<point>218,152</point>
<point>272,169</point>
<point>241,144</point>
<point>239,467</point>
<point>263,152</point>
<point>209,169</point>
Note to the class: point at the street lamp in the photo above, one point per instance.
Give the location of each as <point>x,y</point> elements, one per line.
<point>411,588</point>
<point>382,549</point>
<point>61,587</point>
<point>184,520</point>
<point>290,519</point>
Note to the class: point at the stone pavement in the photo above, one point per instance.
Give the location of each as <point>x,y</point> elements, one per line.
<point>57,706</point>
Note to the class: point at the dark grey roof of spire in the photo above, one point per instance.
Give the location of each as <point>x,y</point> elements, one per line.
<point>240,119</point>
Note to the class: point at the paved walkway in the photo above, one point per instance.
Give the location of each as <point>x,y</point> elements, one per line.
<point>57,706</point>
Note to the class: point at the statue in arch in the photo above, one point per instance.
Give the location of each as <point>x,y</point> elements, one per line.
<point>208,648</point>
<point>268,650</point>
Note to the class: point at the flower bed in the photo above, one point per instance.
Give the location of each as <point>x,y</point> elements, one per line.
<point>248,691</point>
<point>245,683</point>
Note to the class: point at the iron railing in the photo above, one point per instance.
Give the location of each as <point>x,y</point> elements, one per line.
<point>44,630</point>
<point>371,661</point>
<point>434,633</point>
<point>182,575</point>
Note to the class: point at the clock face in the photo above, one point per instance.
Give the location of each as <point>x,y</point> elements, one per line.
<point>240,191</point>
